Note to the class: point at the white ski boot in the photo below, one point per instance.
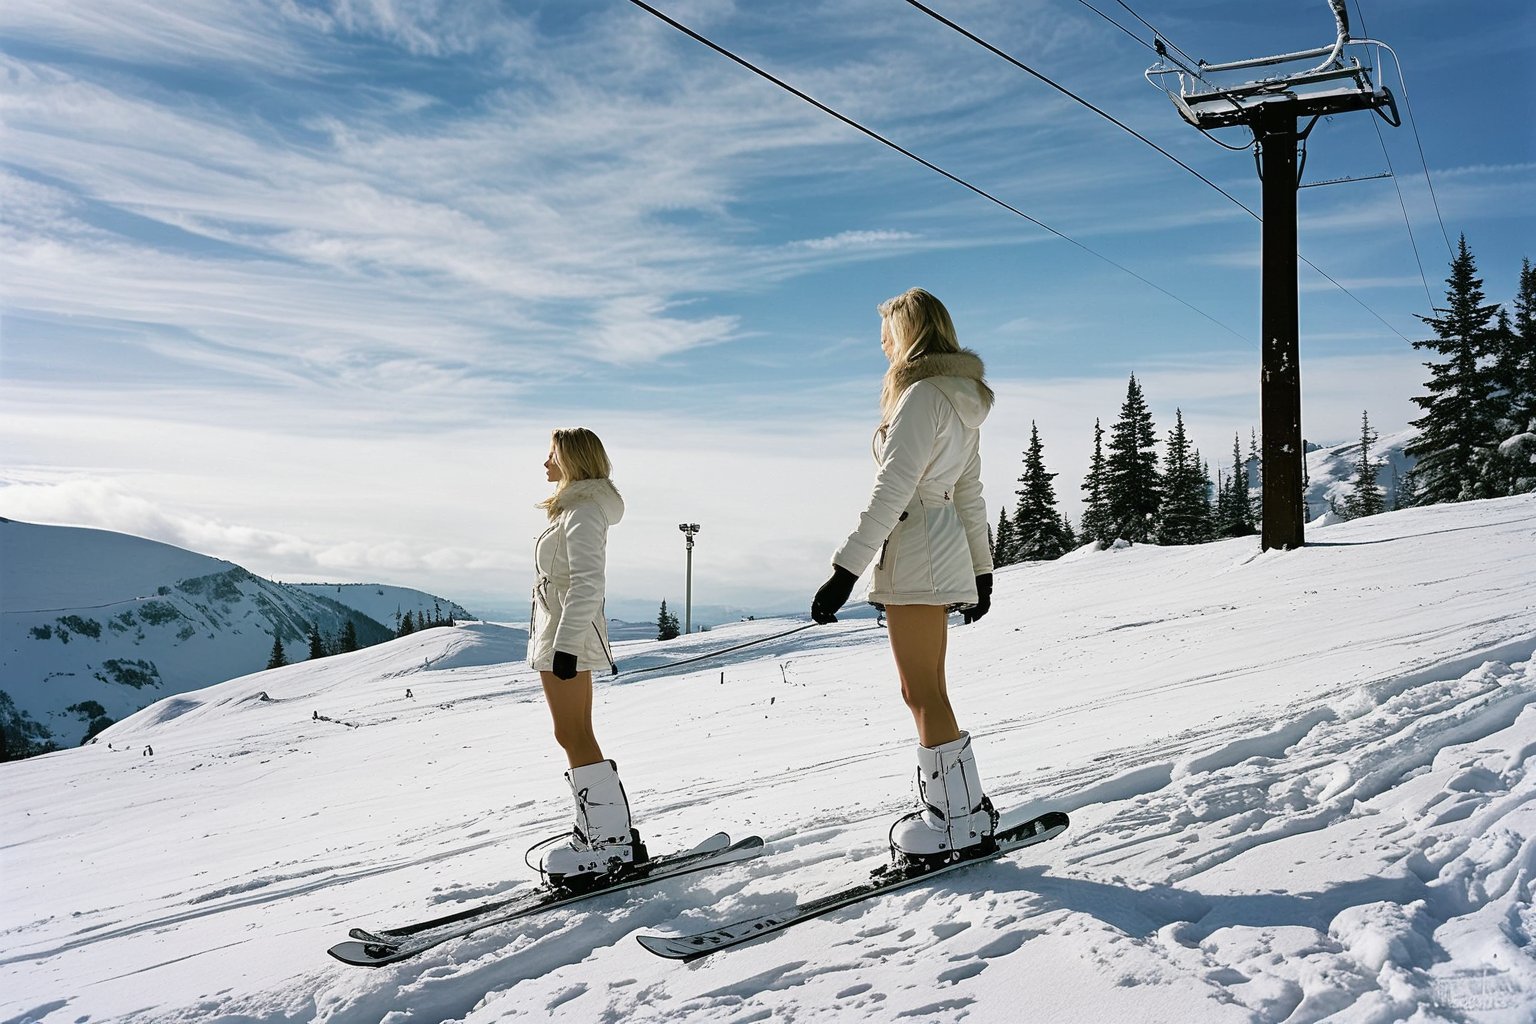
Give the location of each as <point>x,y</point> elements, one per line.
<point>602,840</point>
<point>953,814</point>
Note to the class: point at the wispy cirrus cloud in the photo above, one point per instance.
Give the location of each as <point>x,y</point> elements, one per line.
<point>855,240</point>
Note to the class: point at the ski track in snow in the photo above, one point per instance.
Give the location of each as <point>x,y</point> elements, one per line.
<point>1301,787</point>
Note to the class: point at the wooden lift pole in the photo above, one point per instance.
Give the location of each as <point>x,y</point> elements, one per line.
<point>1284,524</point>
<point>1272,107</point>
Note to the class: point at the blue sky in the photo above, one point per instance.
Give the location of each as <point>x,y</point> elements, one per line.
<point>305,285</point>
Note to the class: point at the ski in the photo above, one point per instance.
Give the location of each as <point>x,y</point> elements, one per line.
<point>392,945</point>
<point>535,897</point>
<point>883,880</point>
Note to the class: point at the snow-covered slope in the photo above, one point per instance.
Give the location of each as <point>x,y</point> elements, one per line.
<point>386,604</point>
<point>1331,470</point>
<point>95,625</point>
<point>1303,788</point>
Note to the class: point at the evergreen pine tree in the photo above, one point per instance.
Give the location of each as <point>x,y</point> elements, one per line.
<point>1039,534</point>
<point>1185,515</point>
<point>1366,499</point>
<point>1245,516</point>
<point>666,624</point>
<point>1525,335</point>
<point>407,624</point>
<point>348,638</point>
<point>1407,493</point>
<point>1253,483</point>
<point>1207,492</point>
<point>1455,442</point>
<point>279,658</point>
<point>1095,524</point>
<point>1514,372</point>
<point>1221,515</point>
<point>1132,486</point>
<point>1003,541</point>
<point>1503,369</point>
<point>1230,516</point>
<point>316,643</point>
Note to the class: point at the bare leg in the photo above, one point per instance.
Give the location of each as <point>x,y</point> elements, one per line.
<point>570,705</point>
<point>919,639</point>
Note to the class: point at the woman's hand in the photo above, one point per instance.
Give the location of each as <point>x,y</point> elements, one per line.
<point>832,595</point>
<point>565,665</point>
<point>983,599</point>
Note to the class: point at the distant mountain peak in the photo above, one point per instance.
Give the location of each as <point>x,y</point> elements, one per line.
<point>95,625</point>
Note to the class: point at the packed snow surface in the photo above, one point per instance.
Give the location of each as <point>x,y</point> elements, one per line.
<point>1301,787</point>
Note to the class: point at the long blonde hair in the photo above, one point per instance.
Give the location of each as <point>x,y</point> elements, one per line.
<point>919,325</point>
<point>580,455</point>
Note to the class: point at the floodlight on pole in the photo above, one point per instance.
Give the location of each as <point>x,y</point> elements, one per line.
<point>689,529</point>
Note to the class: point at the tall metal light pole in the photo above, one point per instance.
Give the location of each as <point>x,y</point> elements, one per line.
<point>689,529</point>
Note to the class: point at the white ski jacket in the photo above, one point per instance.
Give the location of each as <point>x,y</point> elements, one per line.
<point>925,527</point>
<point>570,559</point>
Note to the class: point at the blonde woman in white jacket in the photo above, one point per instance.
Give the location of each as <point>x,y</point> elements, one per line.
<point>567,640</point>
<point>925,528</point>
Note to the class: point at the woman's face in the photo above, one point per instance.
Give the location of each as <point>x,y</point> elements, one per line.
<point>887,343</point>
<point>552,468</point>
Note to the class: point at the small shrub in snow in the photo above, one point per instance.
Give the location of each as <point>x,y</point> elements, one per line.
<point>137,674</point>
<point>83,626</point>
<point>158,613</point>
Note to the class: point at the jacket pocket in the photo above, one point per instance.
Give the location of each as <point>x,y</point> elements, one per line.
<point>909,568</point>
<point>885,544</point>
<point>541,618</point>
<point>602,641</point>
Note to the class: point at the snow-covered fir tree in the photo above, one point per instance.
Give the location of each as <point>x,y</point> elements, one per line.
<point>667,626</point>
<point>317,647</point>
<point>1514,374</point>
<point>279,657</point>
<point>1366,499</point>
<point>1221,515</point>
<point>1253,481</point>
<point>1132,484</point>
<point>1095,523</point>
<point>1002,540</point>
<point>1454,446</point>
<point>1039,532</point>
<point>1185,514</point>
<point>1233,516</point>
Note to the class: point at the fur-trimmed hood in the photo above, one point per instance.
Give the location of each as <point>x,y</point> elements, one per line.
<point>961,376</point>
<point>601,493</point>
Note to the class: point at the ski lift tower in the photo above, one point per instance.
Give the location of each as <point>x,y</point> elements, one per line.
<point>1272,108</point>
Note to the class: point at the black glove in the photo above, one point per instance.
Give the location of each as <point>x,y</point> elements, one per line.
<point>832,595</point>
<point>983,599</point>
<point>565,665</point>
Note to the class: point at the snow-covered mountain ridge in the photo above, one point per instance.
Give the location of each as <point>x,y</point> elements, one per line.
<point>385,604</point>
<point>1331,471</point>
<point>94,625</point>
<point>1301,785</point>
